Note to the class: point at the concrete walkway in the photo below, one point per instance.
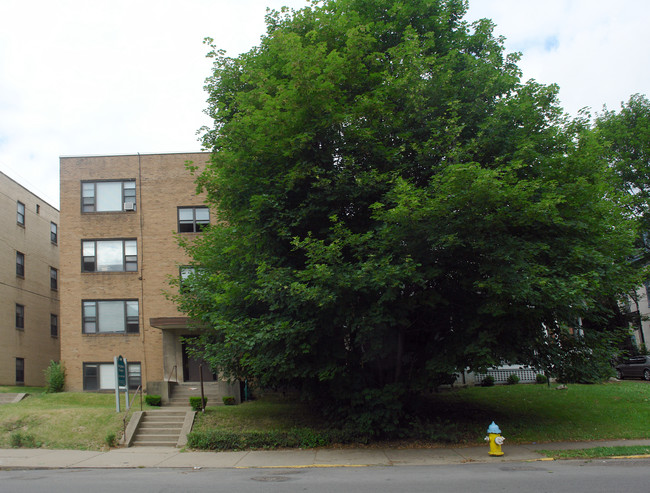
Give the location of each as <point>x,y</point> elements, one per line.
<point>137,457</point>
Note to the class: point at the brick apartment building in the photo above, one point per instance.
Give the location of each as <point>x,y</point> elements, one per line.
<point>119,217</point>
<point>29,285</point>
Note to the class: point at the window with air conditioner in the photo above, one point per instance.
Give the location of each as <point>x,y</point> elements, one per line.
<point>108,196</point>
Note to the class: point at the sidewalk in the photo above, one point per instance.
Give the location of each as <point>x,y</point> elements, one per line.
<point>167,457</point>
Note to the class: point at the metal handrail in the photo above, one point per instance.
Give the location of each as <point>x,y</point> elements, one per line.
<point>126,414</point>
<point>174,370</point>
<point>202,392</point>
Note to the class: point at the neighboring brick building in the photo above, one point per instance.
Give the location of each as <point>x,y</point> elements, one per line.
<point>119,217</point>
<point>29,285</point>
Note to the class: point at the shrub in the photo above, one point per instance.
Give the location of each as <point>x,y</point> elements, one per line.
<point>229,400</point>
<point>539,378</point>
<point>512,379</point>
<point>153,400</point>
<point>19,439</point>
<point>296,437</point>
<point>110,439</point>
<point>369,412</point>
<point>443,378</point>
<point>55,377</point>
<point>488,381</point>
<point>195,402</point>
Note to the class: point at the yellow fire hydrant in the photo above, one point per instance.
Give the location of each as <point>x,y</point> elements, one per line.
<point>495,439</point>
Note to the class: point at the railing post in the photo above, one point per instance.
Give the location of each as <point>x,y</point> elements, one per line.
<point>202,394</point>
<point>126,412</point>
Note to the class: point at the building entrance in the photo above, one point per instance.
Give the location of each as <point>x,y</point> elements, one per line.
<point>191,365</point>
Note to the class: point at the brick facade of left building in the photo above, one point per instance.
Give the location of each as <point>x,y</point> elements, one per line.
<point>29,285</point>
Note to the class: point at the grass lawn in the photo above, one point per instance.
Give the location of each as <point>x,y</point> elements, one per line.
<point>525,414</point>
<point>536,413</point>
<point>598,452</point>
<point>68,420</point>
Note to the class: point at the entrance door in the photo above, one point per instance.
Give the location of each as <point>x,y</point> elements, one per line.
<point>191,365</point>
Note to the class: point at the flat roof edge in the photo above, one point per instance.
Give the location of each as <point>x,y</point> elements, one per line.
<point>70,156</point>
<point>29,191</point>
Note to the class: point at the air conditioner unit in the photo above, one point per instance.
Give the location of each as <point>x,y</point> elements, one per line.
<point>129,206</point>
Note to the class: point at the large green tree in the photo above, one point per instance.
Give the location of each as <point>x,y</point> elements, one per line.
<point>395,205</point>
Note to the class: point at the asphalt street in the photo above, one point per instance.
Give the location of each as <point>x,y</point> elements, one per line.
<point>537,477</point>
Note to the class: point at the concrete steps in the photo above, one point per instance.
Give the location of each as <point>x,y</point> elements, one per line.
<point>169,426</point>
<point>7,398</point>
<point>161,428</point>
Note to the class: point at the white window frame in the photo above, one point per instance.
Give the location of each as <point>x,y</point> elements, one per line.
<point>195,225</point>
<point>91,196</point>
<point>54,233</point>
<point>92,321</point>
<point>91,255</point>
<point>106,375</point>
<point>20,213</point>
<point>20,264</point>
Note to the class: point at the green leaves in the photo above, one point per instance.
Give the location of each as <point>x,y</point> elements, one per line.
<point>396,205</point>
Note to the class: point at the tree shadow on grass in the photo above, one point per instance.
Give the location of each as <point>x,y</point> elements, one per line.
<point>451,419</point>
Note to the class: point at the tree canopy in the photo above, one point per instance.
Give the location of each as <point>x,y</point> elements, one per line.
<point>395,204</point>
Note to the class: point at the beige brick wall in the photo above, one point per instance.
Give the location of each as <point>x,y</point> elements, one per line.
<point>34,344</point>
<point>162,184</point>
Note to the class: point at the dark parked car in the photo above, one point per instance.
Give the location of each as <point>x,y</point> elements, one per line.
<point>636,367</point>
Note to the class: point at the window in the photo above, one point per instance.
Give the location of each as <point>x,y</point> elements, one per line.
<point>20,264</point>
<point>20,213</point>
<point>109,256</point>
<point>108,196</point>
<point>20,316</point>
<point>38,209</point>
<point>133,375</point>
<point>54,276</point>
<point>188,274</point>
<point>115,316</point>
<point>185,272</point>
<point>54,233</point>
<point>193,219</point>
<point>54,325</point>
<point>20,371</point>
<point>101,376</point>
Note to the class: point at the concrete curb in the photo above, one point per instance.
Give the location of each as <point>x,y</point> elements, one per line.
<point>172,457</point>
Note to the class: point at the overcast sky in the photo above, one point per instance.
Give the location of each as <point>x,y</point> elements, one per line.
<point>80,77</point>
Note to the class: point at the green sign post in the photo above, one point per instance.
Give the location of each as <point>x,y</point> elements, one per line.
<point>120,365</point>
<point>121,372</point>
